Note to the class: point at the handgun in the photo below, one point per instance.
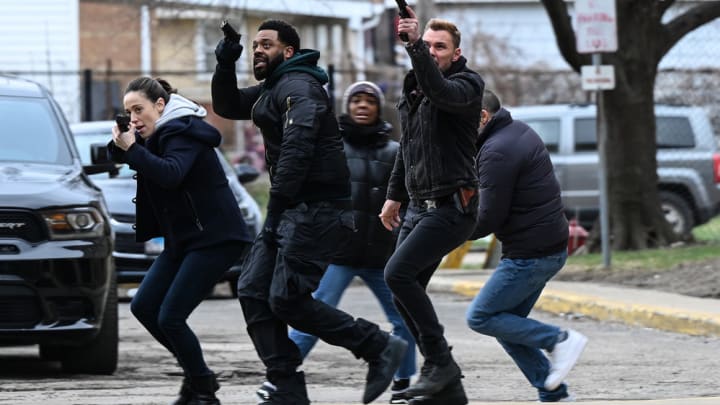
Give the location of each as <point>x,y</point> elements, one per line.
<point>402,7</point>
<point>229,32</point>
<point>123,122</point>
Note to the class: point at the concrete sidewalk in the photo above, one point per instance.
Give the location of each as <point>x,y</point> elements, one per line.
<point>640,307</point>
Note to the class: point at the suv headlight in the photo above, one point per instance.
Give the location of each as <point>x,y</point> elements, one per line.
<point>74,223</point>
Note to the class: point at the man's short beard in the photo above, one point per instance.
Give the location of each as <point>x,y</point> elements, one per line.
<point>270,67</point>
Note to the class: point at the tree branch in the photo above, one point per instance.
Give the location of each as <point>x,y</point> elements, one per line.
<point>564,34</point>
<point>678,27</point>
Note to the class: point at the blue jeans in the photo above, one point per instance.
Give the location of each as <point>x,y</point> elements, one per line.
<point>332,286</point>
<point>501,308</point>
<point>172,288</point>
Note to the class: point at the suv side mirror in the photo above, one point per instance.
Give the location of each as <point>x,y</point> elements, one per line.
<point>246,173</point>
<point>100,161</point>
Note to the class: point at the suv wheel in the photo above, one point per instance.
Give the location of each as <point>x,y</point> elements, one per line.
<point>677,213</point>
<point>99,355</point>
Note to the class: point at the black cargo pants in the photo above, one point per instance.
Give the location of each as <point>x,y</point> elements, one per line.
<point>276,284</point>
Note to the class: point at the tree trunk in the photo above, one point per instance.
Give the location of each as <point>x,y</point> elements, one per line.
<point>636,219</point>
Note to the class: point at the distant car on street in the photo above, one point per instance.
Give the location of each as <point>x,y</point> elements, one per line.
<point>688,160</point>
<point>132,259</point>
<point>57,281</point>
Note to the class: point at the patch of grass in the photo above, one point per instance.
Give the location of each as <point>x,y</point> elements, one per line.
<point>709,232</point>
<point>650,259</point>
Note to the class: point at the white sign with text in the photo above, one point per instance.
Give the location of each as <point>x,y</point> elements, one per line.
<point>595,26</point>
<point>597,77</point>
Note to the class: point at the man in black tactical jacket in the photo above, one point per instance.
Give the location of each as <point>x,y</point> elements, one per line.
<point>309,214</point>
<point>439,114</point>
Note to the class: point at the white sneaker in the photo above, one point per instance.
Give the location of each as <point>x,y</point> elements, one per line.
<point>563,357</point>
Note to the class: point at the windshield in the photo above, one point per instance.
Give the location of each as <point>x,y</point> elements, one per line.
<point>83,142</point>
<point>30,132</point>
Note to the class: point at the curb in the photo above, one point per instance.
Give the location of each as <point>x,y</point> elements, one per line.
<point>672,319</point>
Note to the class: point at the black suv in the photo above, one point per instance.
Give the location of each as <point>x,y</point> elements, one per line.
<point>57,280</point>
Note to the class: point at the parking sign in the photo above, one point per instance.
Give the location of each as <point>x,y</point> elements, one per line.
<point>595,26</point>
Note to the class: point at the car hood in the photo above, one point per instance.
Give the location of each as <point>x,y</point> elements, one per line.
<point>119,193</point>
<point>37,186</point>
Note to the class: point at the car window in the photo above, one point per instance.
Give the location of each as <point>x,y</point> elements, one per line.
<point>83,142</point>
<point>549,131</point>
<point>30,132</point>
<point>674,132</point>
<point>671,132</point>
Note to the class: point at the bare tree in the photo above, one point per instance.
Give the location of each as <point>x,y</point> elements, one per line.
<point>636,220</point>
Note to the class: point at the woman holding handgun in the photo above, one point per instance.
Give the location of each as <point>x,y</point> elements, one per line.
<point>183,196</point>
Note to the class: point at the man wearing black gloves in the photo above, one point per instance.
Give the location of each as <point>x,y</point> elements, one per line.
<point>520,202</point>
<point>439,113</point>
<point>309,214</point>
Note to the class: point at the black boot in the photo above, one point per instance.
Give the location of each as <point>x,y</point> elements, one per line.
<point>453,394</point>
<point>185,393</point>
<point>290,390</point>
<point>438,371</point>
<point>203,390</point>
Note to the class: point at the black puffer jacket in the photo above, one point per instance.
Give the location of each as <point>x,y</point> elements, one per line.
<point>370,155</point>
<point>303,149</point>
<point>519,194</point>
<point>439,115</point>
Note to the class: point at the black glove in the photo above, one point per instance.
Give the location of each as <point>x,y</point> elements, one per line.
<point>269,229</point>
<point>228,52</point>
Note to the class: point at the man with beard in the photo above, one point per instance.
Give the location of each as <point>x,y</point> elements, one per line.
<point>439,113</point>
<point>309,214</point>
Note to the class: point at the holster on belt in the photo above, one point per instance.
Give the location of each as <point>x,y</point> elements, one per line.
<point>464,197</point>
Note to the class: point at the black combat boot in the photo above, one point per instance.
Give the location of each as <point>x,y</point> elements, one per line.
<point>185,393</point>
<point>452,394</point>
<point>203,390</point>
<point>437,372</point>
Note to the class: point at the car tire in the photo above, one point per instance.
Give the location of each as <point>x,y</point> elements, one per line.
<point>678,213</point>
<point>99,355</point>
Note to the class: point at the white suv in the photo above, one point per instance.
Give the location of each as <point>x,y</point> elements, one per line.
<point>687,157</point>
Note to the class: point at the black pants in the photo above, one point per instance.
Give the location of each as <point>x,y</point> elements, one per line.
<point>172,288</point>
<point>427,234</point>
<point>276,284</point>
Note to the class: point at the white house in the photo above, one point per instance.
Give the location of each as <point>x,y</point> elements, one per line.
<point>40,42</point>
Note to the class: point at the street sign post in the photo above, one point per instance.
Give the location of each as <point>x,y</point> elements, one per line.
<point>596,32</point>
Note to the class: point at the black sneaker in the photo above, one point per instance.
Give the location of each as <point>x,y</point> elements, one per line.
<point>289,390</point>
<point>397,391</point>
<point>265,391</point>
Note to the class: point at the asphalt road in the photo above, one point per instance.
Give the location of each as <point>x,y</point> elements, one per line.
<point>620,362</point>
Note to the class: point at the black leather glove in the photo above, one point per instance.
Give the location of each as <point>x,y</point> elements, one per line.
<point>269,229</point>
<point>228,52</point>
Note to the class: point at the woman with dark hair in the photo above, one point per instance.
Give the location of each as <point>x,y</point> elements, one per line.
<point>183,196</point>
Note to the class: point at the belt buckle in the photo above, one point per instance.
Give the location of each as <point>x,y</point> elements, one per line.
<point>430,204</point>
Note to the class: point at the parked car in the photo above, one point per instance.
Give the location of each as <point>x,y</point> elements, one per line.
<point>132,259</point>
<point>687,158</point>
<point>57,280</point>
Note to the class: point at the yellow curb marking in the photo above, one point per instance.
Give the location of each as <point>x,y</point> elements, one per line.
<point>663,318</point>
